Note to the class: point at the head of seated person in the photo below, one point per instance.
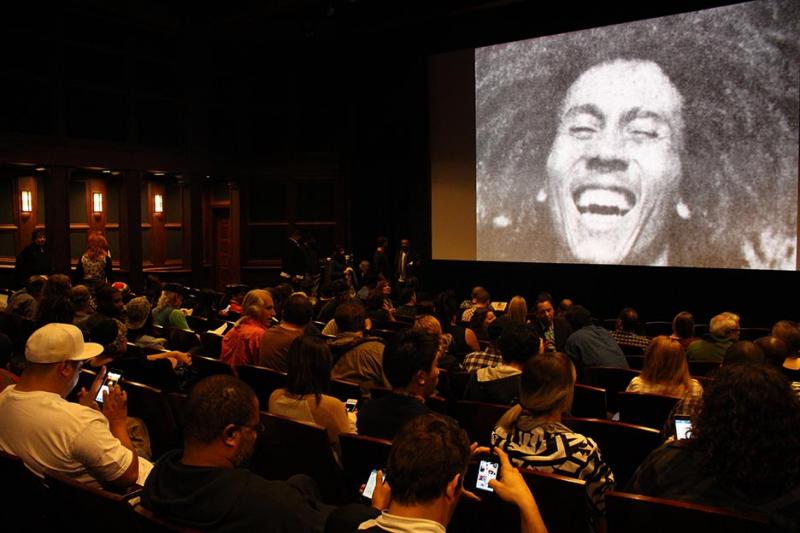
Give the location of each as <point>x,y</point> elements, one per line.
<point>665,365</point>
<point>109,300</point>
<point>741,431</point>
<point>743,352</point>
<point>628,320</point>
<point>350,318</point>
<point>257,305</point>
<point>410,362</point>
<point>480,321</point>
<point>789,332</point>
<point>297,310</point>
<point>517,344</point>
<point>775,350</point>
<point>426,468</point>
<point>578,317</point>
<point>683,325</point>
<point>308,367</point>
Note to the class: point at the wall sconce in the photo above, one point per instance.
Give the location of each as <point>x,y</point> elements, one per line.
<point>158,204</point>
<point>27,202</point>
<point>97,203</point>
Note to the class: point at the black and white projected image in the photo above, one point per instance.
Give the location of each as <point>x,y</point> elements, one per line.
<point>670,141</point>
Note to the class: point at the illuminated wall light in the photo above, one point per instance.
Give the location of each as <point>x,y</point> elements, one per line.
<point>97,202</point>
<point>27,202</point>
<point>158,204</point>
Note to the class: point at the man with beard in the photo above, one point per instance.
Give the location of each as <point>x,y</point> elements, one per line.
<point>203,486</point>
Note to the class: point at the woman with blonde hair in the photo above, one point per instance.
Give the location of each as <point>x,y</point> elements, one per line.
<point>665,371</point>
<point>242,344</point>
<point>167,312</point>
<point>532,435</point>
<point>517,311</point>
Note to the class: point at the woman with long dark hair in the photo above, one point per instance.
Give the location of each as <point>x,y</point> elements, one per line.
<point>304,398</point>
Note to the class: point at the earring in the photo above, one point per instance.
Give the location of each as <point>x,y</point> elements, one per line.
<point>541,196</point>
<point>683,210</point>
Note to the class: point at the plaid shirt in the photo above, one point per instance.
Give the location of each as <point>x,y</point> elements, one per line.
<point>475,360</point>
<point>630,339</point>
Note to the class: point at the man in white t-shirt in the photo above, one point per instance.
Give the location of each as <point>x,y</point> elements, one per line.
<point>51,434</point>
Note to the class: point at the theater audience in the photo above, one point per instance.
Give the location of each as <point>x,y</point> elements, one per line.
<point>533,436</point>
<point>665,371</point>
<point>789,333</point>
<point>378,305</point>
<point>109,305</point>
<point>81,303</point>
<point>723,330</point>
<point>138,321</point>
<point>412,369</point>
<point>168,313</point>
<point>743,452</point>
<point>205,486</point>
<point>408,302</point>
<point>591,345</point>
<point>500,384</point>
<point>554,330</point>
<point>426,472</point>
<point>626,329</point>
<point>683,329</point>
<point>464,340</point>
<point>88,443</point>
<point>242,344</point>
<point>480,300</point>
<point>307,380</point>
<point>358,358</point>
<point>24,302</point>
<point>275,342</point>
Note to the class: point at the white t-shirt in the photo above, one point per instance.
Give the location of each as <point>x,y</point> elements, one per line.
<point>51,434</point>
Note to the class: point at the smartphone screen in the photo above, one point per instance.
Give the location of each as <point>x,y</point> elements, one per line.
<point>369,488</point>
<point>487,469</point>
<point>683,425</point>
<point>112,378</point>
<point>351,405</point>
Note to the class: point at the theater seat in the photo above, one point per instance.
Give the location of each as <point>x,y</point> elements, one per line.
<point>478,419</point>
<point>148,521</point>
<point>612,379</point>
<point>650,410</point>
<point>589,402</point>
<point>360,455</point>
<point>634,513</point>
<point>263,381</point>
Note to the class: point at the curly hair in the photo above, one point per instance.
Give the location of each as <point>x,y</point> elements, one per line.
<point>745,430</point>
<point>737,70</point>
<point>215,402</point>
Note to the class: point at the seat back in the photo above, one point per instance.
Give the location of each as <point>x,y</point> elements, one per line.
<point>478,419</point>
<point>263,381</point>
<point>344,390</point>
<point>612,379</point>
<point>635,513</point>
<point>211,344</point>
<point>656,328</point>
<point>158,373</point>
<point>561,501</point>
<point>93,508</point>
<point>635,362</point>
<point>208,366</point>
<point>290,447</point>
<point>149,404</point>
<point>148,521</point>
<point>183,340</point>
<point>650,410</point>
<point>20,487</point>
<point>360,455</point>
<point>622,446</point>
<point>589,402</point>
<point>630,349</point>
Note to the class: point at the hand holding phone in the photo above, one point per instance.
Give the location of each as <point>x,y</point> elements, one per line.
<point>112,378</point>
<point>351,405</point>
<point>488,469</point>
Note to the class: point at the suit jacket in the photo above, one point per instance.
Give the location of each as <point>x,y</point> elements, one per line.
<point>412,264</point>
<point>561,330</point>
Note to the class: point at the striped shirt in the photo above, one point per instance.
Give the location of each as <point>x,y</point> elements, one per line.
<point>553,447</point>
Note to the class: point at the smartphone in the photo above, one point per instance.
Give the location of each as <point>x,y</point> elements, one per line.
<point>683,425</point>
<point>351,405</point>
<point>369,488</point>
<point>112,378</point>
<point>488,468</point>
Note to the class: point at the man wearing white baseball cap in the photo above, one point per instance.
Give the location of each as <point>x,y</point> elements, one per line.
<point>51,434</point>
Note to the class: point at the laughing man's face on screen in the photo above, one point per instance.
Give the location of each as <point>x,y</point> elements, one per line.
<point>614,168</point>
